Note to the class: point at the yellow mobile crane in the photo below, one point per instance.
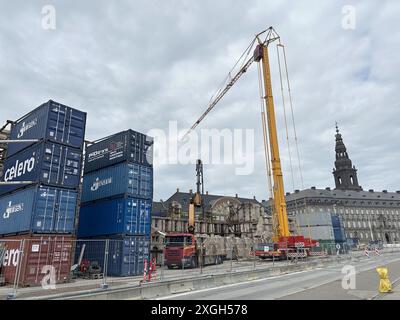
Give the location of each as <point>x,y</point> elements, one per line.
<point>284,243</point>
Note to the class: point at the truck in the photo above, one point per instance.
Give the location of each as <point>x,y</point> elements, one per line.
<point>187,250</point>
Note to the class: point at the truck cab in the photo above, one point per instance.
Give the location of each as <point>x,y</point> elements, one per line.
<point>180,250</point>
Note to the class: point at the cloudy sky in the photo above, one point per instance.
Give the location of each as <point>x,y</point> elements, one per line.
<point>140,64</point>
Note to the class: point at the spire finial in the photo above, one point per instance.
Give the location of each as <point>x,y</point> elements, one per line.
<point>337,128</point>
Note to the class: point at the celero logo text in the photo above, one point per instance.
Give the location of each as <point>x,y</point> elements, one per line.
<point>11,258</point>
<point>20,168</point>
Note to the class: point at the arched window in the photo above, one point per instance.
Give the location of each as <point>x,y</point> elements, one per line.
<point>340,180</point>
<point>351,180</point>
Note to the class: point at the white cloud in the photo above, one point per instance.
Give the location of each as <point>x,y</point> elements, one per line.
<point>140,64</point>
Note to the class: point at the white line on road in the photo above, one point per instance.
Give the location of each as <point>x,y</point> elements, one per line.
<point>365,265</point>
<point>233,285</point>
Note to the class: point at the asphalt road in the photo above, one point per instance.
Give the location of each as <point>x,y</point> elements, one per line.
<point>324,284</point>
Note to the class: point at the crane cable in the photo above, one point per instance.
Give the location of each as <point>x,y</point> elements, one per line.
<point>294,128</point>
<point>293,120</point>
<point>284,114</point>
<point>266,145</point>
<point>296,139</point>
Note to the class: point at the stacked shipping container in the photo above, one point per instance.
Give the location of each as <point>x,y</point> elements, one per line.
<point>318,226</point>
<point>117,198</point>
<point>338,230</point>
<point>38,217</point>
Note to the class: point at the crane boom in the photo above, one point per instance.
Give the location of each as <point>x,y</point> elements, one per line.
<point>278,197</point>
<point>279,201</point>
<point>221,94</point>
<point>271,36</point>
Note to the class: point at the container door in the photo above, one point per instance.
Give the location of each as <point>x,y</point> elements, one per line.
<point>76,123</point>
<point>46,205</point>
<point>144,217</point>
<point>146,182</point>
<point>133,179</point>
<point>65,217</point>
<point>130,224</point>
<point>57,122</point>
<point>115,258</point>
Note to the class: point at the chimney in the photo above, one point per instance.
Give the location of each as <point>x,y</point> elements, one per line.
<point>206,193</point>
<point>313,188</point>
<point>236,195</point>
<point>384,191</point>
<point>328,189</point>
<point>254,197</point>
<point>177,189</point>
<point>371,190</point>
<point>191,191</point>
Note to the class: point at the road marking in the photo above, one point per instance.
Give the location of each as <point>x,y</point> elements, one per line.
<point>365,264</point>
<point>232,285</point>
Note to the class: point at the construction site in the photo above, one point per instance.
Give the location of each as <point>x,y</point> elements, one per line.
<point>79,219</point>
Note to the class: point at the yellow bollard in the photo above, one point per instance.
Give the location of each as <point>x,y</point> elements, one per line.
<point>384,284</point>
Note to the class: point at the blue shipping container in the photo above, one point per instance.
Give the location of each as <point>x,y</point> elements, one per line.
<point>121,179</point>
<point>336,221</point>
<point>127,145</point>
<point>117,216</point>
<point>126,255</point>
<point>45,163</point>
<point>51,121</point>
<point>339,234</point>
<point>39,209</point>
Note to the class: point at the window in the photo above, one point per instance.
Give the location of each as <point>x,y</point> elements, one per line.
<point>361,235</point>
<point>359,224</point>
<point>365,224</point>
<point>156,223</point>
<point>354,224</point>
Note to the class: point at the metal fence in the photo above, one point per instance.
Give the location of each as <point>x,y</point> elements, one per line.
<point>57,264</point>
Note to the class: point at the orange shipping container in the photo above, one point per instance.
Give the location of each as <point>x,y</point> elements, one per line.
<point>34,260</point>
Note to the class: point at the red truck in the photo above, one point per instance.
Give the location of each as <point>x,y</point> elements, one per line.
<point>184,250</point>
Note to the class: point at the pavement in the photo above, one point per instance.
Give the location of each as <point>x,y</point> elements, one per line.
<point>163,273</point>
<point>288,285</point>
<point>316,284</point>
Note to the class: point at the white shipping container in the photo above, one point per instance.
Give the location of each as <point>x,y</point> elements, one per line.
<point>314,219</point>
<point>317,232</point>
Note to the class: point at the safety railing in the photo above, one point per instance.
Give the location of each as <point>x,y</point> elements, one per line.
<point>59,264</point>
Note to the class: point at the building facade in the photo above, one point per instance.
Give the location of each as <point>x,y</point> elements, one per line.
<point>366,215</point>
<point>222,216</point>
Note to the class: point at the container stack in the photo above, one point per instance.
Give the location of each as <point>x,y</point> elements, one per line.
<point>338,231</point>
<point>318,226</point>
<point>117,197</point>
<point>38,213</point>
